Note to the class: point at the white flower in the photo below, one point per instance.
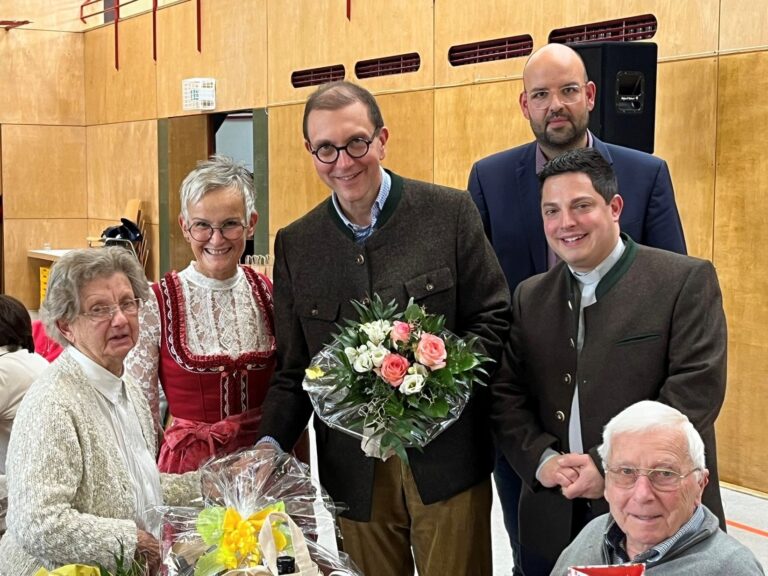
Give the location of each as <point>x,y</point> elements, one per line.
<point>417,368</point>
<point>378,354</point>
<point>363,362</point>
<point>412,384</point>
<point>351,353</point>
<point>376,331</point>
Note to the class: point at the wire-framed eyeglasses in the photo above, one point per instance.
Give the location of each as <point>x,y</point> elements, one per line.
<point>355,148</point>
<point>660,478</point>
<point>103,313</point>
<point>542,99</point>
<point>202,231</point>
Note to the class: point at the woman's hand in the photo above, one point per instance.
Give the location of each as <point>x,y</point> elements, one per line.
<point>148,550</point>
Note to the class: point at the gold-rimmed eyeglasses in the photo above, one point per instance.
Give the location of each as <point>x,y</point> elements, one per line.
<point>103,313</point>
<point>660,478</point>
<point>568,94</point>
<point>202,231</point>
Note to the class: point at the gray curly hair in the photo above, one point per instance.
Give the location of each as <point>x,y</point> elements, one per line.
<point>213,174</point>
<point>76,269</point>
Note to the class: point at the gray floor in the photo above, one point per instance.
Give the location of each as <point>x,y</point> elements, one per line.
<point>740,507</point>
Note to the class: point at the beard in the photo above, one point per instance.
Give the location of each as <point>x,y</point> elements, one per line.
<point>564,138</point>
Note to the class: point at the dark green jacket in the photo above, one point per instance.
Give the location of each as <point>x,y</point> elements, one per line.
<point>429,245</point>
<point>656,332</point>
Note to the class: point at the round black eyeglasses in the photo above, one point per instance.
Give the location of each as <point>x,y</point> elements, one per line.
<point>355,148</point>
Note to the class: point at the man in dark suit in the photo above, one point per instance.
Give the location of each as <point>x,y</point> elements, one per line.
<point>557,99</point>
<point>613,323</point>
<point>380,233</point>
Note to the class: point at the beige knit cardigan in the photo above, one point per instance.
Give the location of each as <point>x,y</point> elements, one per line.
<point>69,498</point>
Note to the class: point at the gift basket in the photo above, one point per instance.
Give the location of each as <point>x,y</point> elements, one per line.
<point>394,380</point>
<point>263,515</point>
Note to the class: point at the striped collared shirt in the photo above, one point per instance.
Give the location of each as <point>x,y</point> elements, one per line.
<point>362,232</point>
<point>615,538</point>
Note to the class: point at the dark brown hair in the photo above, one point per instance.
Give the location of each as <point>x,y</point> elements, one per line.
<point>15,325</point>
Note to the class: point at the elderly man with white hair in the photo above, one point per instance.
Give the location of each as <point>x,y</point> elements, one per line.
<point>655,474</point>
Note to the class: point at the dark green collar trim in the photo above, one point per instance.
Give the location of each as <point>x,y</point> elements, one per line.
<point>395,194</point>
<point>619,269</point>
<point>337,219</point>
<point>393,199</point>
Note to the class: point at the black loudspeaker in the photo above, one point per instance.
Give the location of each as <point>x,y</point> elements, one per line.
<point>625,106</point>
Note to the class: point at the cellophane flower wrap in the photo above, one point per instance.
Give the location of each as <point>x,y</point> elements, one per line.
<point>394,379</point>
<point>221,537</point>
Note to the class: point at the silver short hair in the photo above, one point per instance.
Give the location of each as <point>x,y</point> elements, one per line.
<point>649,415</point>
<point>213,174</point>
<point>73,271</point>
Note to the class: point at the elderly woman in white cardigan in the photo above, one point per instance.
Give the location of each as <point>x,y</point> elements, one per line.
<point>81,459</point>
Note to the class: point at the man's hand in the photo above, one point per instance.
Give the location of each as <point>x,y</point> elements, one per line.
<point>553,473</point>
<point>589,483</point>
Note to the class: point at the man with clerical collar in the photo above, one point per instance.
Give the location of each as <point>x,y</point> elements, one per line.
<point>556,100</point>
<point>613,323</point>
<point>655,476</point>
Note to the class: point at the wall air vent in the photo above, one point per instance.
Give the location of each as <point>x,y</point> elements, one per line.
<point>400,64</point>
<point>315,76</point>
<point>621,30</point>
<point>490,50</point>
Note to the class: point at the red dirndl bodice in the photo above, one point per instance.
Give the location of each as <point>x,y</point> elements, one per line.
<point>214,400</point>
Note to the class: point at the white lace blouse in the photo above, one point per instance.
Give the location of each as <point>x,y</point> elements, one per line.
<point>222,317</point>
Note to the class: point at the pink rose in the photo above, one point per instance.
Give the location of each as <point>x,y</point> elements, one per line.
<point>431,351</point>
<point>401,331</point>
<point>393,369</point>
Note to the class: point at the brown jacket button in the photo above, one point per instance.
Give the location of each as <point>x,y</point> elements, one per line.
<point>560,415</point>
<point>360,259</point>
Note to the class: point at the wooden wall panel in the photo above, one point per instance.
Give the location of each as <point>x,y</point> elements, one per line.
<point>234,52</point>
<point>294,188</point>
<point>472,122</point>
<point>22,278</point>
<point>44,171</point>
<point>743,25</point>
<point>375,29</point>
<point>41,77</point>
<point>739,240</point>
<point>122,164</point>
<point>410,120</point>
<point>124,94</point>
<point>686,27</point>
<point>187,144</point>
<point>686,112</point>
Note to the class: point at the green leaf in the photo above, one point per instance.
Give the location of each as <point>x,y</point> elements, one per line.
<point>208,565</point>
<point>210,524</point>
<point>438,409</point>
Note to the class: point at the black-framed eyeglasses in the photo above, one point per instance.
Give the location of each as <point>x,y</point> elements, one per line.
<point>541,99</point>
<point>660,478</point>
<point>355,148</point>
<point>104,313</point>
<point>202,231</point>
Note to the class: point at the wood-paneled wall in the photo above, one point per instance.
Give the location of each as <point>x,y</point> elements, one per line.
<point>234,52</point>
<point>741,203</point>
<point>709,127</point>
<point>41,78</point>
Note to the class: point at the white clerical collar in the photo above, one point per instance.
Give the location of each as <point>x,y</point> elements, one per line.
<point>109,385</point>
<point>601,269</point>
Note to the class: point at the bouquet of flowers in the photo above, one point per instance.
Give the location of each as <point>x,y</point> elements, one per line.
<point>266,507</point>
<point>395,380</point>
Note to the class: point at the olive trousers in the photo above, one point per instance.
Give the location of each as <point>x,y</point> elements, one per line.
<point>451,537</point>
